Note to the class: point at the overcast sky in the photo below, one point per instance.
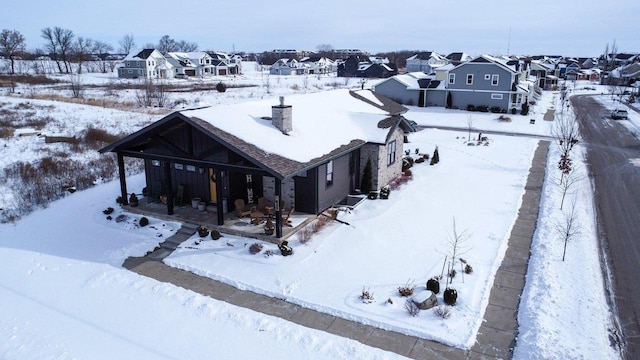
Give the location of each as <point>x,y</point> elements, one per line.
<point>557,27</point>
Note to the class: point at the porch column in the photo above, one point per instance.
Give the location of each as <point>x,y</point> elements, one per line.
<point>123,181</point>
<point>167,181</point>
<point>277,207</point>
<point>219,207</point>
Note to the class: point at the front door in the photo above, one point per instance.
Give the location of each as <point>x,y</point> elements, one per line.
<point>212,186</point>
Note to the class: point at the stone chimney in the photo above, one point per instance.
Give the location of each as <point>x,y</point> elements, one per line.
<point>281,116</point>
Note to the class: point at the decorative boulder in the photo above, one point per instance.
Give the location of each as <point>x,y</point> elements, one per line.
<point>425,299</point>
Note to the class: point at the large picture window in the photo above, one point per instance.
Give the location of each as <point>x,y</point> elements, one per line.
<point>391,153</point>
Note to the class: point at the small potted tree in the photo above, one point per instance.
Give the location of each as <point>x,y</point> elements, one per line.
<point>133,200</point>
<point>269,227</point>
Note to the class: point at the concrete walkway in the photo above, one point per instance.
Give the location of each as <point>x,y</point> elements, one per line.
<point>496,336</point>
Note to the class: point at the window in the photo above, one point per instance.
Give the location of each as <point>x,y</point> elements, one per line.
<point>452,78</point>
<point>469,79</point>
<point>391,153</point>
<point>191,168</point>
<point>155,162</point>
<point>494,80</point>
<point>487,76</point>
<point>179,166</point>
<point>496,96</point>
<point>330,172</point>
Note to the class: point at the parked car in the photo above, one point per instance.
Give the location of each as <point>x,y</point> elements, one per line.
<point>619,114</point>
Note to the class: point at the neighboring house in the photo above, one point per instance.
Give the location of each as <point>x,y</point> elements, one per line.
<point>351,66</point>
<point>416,88</point>
<point>310,150</point>
<point>146,63</point>
<point>457,58</point>
<point>630,73</point>
<point>376,70</point>
<point>196,63</point>
<point>225,64</point>
<point>486,81</point>
<point>284,67</point>
<point>569,66</point>
<point>425,62</point>
<point>318,65</point>
<point>544,73</point>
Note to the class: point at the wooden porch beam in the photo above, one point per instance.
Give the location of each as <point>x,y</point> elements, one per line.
<point>123,180</point>
<point>167,181</point>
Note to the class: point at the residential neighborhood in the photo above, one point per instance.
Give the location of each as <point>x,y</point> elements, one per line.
<point>195,197</point>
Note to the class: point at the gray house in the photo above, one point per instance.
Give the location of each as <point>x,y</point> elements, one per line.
<point>416,88</point>
<point>310,151</point>
<point>146,63</point>
<point>486,81</point>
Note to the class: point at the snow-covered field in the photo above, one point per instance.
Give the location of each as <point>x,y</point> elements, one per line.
<point>69,298</point>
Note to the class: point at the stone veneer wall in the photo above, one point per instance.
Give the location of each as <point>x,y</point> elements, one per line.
<point>383,174</point>
<point>288,191</point>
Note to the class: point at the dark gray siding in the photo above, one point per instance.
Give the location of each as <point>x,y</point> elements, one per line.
<point>330,194</point>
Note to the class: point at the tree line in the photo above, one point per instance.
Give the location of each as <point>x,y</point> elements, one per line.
<point>64,47</point>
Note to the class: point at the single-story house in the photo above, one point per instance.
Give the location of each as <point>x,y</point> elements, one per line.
<point>309,151</point>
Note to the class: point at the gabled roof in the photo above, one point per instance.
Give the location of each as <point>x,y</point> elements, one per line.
<point>426,55</point>
<point>139,54</point>
<point>487,59</point>
<point>325,125</point>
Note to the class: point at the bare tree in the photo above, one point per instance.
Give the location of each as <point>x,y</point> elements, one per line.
<point>127,43</point>
<point>565,133</point>
<point>568,227</point>
<point>167,44</point>
<point>566,182</point>
<point>456,245</point>
<point>469,126</point>
<point>11,44</point>
<point>185,46</point>
<point>82,48</point>
<point>102,49</point>
<point>324,48</point>
<point>76,86</point>
<point>59,42</point>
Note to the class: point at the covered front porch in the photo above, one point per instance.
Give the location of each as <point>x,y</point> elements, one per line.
<point>208,218</point>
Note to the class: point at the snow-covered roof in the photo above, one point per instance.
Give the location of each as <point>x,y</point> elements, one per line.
<point>142,54</point>
<point>322,122</point>
<point>410,80</point>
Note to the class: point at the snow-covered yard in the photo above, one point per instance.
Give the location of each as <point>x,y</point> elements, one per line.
<point>70,298</point>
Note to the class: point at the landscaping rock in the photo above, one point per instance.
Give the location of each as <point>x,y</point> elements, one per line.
<point>425,299</point>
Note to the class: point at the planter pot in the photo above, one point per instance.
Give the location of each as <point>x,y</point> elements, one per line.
<point>450,296</point>
<point>373,195</point>
<point>202,231</point>
<point>195,202</point>
<point>433,285</point>
<point>202,206</point>
<point>268,231</point>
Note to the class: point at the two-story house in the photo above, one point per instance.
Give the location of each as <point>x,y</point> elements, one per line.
<point>486,81</point>
<point>146,63</point>
<point>284,67</point>
<point>425,62</point>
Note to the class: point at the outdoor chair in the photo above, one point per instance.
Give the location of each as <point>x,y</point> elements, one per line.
<point>240,208</point>
<point>263,202</point>
<point>156,189</point>
<point>286,221</point>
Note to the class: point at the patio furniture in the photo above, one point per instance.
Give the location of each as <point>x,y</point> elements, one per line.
<point>257,217</point>
<point>240,208</point>
<point>263,202</point>
<point>156,189</point>
<point>285,218</point>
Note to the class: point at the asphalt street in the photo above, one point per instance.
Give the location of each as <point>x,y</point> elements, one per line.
<point>611,150</point>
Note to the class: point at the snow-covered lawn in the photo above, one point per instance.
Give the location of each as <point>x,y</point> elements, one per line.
<point>391,242</point>
<point>66,295</point>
